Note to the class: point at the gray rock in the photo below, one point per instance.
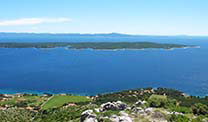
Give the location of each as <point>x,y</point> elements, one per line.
<point>113,106</point>
<point>103,119</point>
<point>205,120</point>
<point>97,110</point>
<point>88,116</point>
<point>140,103</point>
<point>141,112</point>
<point>157,115</point>
<point>124,117</point>
<point>137,109</point>
<point>122,113</point>
<point>114,118</point>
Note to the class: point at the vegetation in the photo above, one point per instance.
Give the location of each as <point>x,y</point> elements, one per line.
<point>93,45</point>
<point>24,100</point>
<point>16,115</point>
<point>60,114</point>
<point>200,109</point>
<point>65,108</point>
<point>157,100</point>
<point>179,118</point>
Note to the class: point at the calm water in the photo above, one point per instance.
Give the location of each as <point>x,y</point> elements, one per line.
<point>90,72</point>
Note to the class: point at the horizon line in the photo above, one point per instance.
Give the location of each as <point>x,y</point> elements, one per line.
<point>107,33</point>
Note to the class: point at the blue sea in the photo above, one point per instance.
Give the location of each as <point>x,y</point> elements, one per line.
<point>88,72</point>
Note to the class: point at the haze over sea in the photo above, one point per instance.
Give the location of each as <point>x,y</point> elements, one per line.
<point>91,71</point>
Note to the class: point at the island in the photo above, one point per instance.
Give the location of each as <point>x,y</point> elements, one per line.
<point>134,105</point>
<point>94,45</point>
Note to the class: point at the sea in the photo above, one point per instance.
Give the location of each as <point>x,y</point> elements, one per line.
<point>91,72</point>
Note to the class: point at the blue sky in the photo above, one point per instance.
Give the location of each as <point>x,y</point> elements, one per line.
<point>148,17</point>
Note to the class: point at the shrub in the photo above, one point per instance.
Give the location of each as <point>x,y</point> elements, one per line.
<point>199,119</point>
<point>171,103</point>
<point>16,115</point>
<point>157,101</point>
<point>60,114</point>
<point>21,104</point>
<point>179,118</point>
<point>110,112</point>
<point>200,109</point>
<point>181,109</point>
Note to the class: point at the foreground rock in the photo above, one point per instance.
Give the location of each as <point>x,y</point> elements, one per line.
<point>88,116</point>
<point>149,114</point>
<point>113,106</point>
<point>124,117</point>
<point>140,103</point>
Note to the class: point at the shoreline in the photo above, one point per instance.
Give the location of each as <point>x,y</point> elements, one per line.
<point>42,92</point>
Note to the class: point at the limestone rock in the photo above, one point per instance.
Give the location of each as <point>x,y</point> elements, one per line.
<point>113,106</point>
<point>124,117</point>
<point>88,116</point>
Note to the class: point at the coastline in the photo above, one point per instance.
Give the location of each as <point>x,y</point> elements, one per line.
<point>42,92</point>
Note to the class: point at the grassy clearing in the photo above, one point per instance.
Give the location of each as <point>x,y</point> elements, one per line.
<point>57,101</point>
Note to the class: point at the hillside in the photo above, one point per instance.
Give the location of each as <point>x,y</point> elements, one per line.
<point>138,105</point>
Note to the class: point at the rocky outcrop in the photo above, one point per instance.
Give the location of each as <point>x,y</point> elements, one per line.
<point>157,117</point>
<point>124,117</point>
<point>136,112</point>
<point>113,106</point>
<point>205,120</point>
<point>151,114</point>
<point>88,116</point>
<point>140,103</point>
<point>114,118</point>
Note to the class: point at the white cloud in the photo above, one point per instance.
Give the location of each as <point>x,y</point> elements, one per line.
<point>33,21</point>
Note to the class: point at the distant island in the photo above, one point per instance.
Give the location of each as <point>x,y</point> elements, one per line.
<point>94,45</point>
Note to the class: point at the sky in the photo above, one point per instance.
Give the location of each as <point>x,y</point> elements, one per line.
<point>145,17</point>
